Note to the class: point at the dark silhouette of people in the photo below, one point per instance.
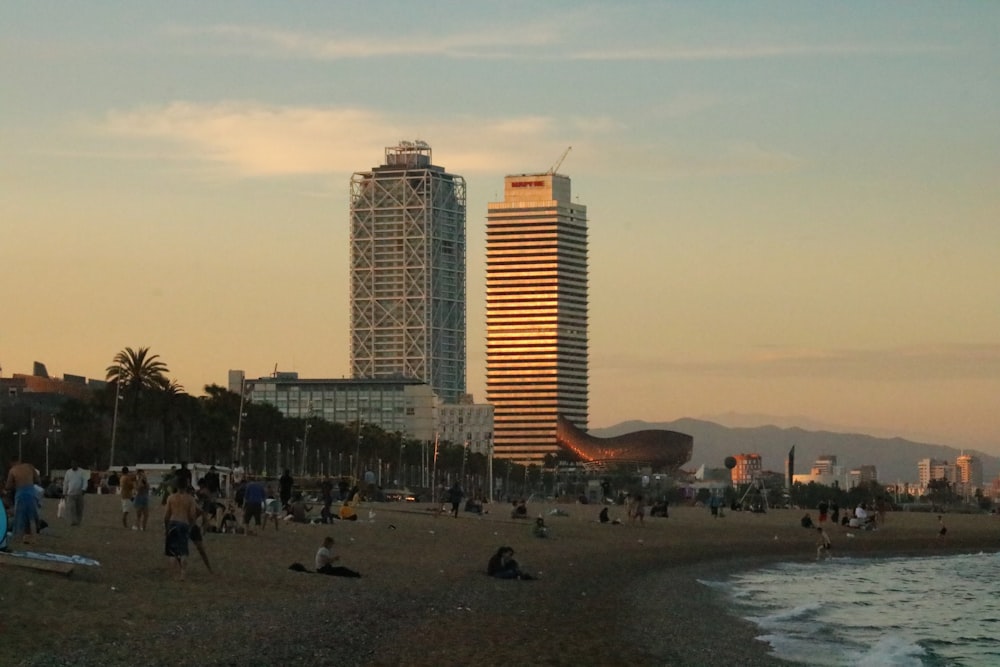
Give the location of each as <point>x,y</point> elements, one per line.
<point>503,566</point>
<point>455,495</point>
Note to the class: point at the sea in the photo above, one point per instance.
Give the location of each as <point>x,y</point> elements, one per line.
<point>937,610</point>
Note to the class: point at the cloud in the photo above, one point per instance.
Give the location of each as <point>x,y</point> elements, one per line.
<point>535,39</point>
<point>913,363</point>
<point>247,139</point>
<point>747,52</point>
<point>487,43</point>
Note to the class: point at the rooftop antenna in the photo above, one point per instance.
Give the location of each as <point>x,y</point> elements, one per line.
<point>559,162</point>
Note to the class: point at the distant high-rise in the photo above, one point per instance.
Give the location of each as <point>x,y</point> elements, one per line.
<point>536,314</point>
<point>408,271</point>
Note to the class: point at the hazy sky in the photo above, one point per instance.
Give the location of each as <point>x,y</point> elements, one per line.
<point>794,207</point>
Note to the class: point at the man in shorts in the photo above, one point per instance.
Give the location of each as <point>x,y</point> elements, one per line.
<point>253,504</point>
<point>127,485</point>
<point>179,515</point>
<point>21,481</point>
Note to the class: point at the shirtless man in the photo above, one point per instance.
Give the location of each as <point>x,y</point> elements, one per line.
<point>179,515</point>
<point>21,480</point>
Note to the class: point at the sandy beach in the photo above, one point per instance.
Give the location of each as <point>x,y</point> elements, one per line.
<point>627,594</point>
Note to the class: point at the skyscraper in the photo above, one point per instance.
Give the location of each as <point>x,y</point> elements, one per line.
<point>408,271</point>
<point>536,314</point>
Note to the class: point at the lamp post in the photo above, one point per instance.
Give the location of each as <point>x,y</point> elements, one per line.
<point>114,419</point>
<point>20,434</point>
<point>305,446</point>
<point>239,420</point>
<point>53,432</point>
<point>399,471</point>
<point>489,463</point>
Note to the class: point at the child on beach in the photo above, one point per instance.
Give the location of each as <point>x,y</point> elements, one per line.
<point>540,529</point>
<point>823,544</point>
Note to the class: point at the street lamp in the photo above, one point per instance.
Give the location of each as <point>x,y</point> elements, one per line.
<point>305,446</point>
<point>114,420</point>
<point>20,434</point>
<point>53,431</point>
<point>239,421</point>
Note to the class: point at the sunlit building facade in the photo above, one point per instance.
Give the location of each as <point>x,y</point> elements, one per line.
<point>408,272</point>
<point>536,314</point>
<point>748,467</point>
<point>970,473</point>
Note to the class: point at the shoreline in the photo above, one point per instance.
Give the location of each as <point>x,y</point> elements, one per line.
<point>604,593</point>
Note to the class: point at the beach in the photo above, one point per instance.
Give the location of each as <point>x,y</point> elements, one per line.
<point>603,593</point>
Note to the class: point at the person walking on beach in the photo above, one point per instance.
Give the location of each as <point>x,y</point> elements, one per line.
<point>74,486</point>
<point>823,544</point>
<point>141,499</point>
<point>179,515</point>
<point>285,484</point>
<point>127,485</point>
<point>455,495</point>
<point>942,529</point>
<point>21,481</point>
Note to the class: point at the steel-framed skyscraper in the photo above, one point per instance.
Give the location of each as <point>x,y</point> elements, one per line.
<point>536,314</point>
<point>408,271</point>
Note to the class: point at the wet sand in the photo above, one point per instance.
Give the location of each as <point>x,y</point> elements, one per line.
<point>604,593</point>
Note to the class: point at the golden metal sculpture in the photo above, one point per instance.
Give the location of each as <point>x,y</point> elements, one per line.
<point>658,448</point>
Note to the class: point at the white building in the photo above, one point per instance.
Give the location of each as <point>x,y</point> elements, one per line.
<point>408,272</point>
<point>467,423</point>
<point>536,314</point>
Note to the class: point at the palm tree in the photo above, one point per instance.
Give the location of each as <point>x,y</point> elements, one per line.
<point>135,373</point>
<point>135,370</point>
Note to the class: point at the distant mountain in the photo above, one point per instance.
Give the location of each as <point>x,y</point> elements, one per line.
<point>895,458</point>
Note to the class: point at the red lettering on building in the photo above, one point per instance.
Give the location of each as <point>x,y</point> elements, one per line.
<point>527,184</point>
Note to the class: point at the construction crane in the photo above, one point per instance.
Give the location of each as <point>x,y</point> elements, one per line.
<point>559,162</point>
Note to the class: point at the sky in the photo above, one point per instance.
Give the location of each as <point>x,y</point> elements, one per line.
<point>794,210</point>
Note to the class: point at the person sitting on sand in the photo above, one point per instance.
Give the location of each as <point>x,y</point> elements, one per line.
<point>520,510</point>
<point>823,544</point>
<point>299,510</point>
<point>272,508</point>
<point>807,521</point>
<point>603,517</point>
<point>325,560</point>
<point>229,522</point>
<point>347,511</point>
<point>540,529</point>
<point>503,566</point>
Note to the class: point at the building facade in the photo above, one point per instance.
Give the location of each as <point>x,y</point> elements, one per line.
<point>748,467</point>
<point>408,272</point>
<point>394,405</point>
<point>467,423</point>
<point>536,314</point>
<point>970,473</point>
<point>930,468</point>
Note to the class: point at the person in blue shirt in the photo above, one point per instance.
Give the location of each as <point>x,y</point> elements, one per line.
<point>253,504</point>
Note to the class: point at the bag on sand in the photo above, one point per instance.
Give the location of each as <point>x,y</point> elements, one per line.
<point>61,508</point>
<point>297,567</point>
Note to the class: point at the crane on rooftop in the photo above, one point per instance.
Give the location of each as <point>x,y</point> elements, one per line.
<point>559,162</point>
